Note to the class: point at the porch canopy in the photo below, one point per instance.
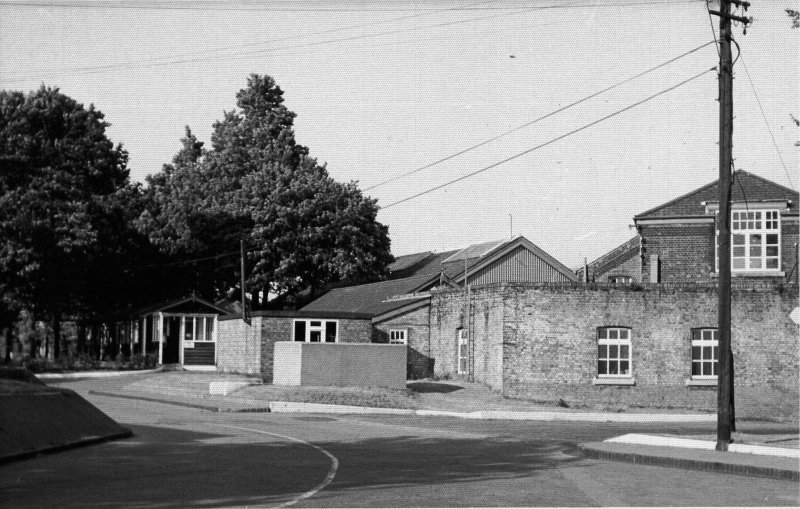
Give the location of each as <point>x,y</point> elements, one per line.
<point>182,331</point>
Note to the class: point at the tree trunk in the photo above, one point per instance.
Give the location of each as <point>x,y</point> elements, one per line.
<point>81,338</point>
<point>9,342</point>
<point>56,334</point>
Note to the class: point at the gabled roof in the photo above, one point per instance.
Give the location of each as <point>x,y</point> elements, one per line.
<point>613,258</point>
<point>373,298</point>
<point>500,250</point>
<point>184,305</point>
<point>745,187</point>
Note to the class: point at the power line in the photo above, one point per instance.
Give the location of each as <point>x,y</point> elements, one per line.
<point>112,67</point>
<point>250,7</point>
<point>527,124</point>
<point>764,116</point>
<point>548,142</point>
<point>161,60</point>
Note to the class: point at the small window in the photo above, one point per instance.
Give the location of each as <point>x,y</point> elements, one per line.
<point>299,330</point>
<point>614,352</point>
<point>620,280</point>
<point>316,331</point>
<point>398,337</point>
<point>463,351</point>
<point>705,353</point>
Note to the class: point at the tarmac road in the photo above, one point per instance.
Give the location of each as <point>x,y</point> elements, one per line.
<point>184,457</point>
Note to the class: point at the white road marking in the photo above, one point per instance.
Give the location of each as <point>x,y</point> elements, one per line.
<point>316,489</point>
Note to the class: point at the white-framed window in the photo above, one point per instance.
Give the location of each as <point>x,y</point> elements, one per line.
<point>620,280</point>
<point>755,241</point>
<point>614,352</point>
<point>705,353</point>
<point>398,337</point>
<point>463,352</point>
<point>198,328</point>
<point>316,331</point>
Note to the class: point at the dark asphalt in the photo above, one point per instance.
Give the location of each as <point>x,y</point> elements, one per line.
<point>184,457</point>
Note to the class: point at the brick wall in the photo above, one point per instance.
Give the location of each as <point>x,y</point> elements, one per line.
<point>543,341</point>
<point>417,326</point>
<point>686,251</point>
<point>239,346</point>
<point>485,330</point>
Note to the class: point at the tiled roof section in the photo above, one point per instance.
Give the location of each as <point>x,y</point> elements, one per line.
<point>369,298</point>
<point>474,251</point>
<point>613,258</point>
<point>403,263</point>
<point>746,187</point>
<point>453,265</point>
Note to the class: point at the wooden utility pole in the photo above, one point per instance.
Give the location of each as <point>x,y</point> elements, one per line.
<point>725,361</point>
<point>244,300</point>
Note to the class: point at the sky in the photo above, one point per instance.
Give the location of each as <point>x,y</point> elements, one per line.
<point>383,89</point>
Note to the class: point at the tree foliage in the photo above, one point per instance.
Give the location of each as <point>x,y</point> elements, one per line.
<point>59,180</point>
<point>256,183</point>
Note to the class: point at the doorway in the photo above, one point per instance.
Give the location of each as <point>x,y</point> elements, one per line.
<point>172,331</point>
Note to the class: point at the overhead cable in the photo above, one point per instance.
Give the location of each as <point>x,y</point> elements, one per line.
<point>527,124</point>
<point>520,154</point>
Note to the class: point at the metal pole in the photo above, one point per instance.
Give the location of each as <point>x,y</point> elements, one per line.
<point>725,154</point>
<point>244,301</point>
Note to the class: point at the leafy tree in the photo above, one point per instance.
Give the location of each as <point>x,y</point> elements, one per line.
<point>795,16</point>
<point>302,228</point>
<point>59,172</point>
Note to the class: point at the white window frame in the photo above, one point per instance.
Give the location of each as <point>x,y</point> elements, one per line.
<point>613,279</point>
<point>398,336</point>
<point>202,320</point>
<point>750,250</point>
<point>462,352</point>
<point>611,340</point>
<point>309,328</point>
<point>704,338</point>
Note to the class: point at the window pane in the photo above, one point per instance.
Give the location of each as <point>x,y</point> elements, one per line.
<point>209,329</point>
<point>772,250</point>
<point>300,330</point>
<point>602,368</point>
<point>706,352</point>
<point>772,239</point>
<point>613,351</point>
<point>708,368</point>
<point>188,328</point>
<point>714,368</point>
<point>738,263</point>
<point>696,369</point>
<point>613,334</point>
<point>624,368</point>
<point>755,263</point>
<point>613,368</point>
<point>330,332</point>
<point>755,250</point>
<point>696,334</point>
<point>623,352</point>
<point>623,334</point>
<point>696,353</point>
<point>316,323</point>
<point>602,351</point>
<point>738,240</point>
<point>315,336</point>
<point>738,251</point>
<point>714,353</point>
<point>602,333</point>
<point>772,263</point>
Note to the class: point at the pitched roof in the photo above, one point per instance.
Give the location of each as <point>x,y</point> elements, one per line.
<point>613,258</point>
<point>372,298</point>
<point>745,187</point>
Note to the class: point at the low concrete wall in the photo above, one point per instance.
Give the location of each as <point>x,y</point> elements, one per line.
<point>340,364</point>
